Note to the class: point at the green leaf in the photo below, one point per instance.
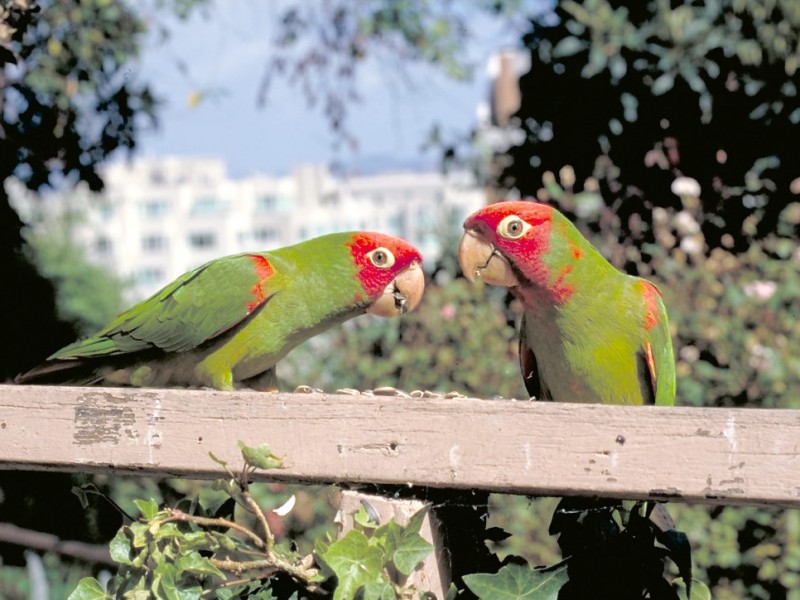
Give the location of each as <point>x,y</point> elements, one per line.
<point>415,522</point>
<point>219,461</point>
<point>120,548</point>
<point>260,456</point>
<point>168,584</point>
<point>403,544</point>
<point>192,540</point>
<point>148,508</point>
<point>379,590</point>
<point>363,518</point>
<point>88,589</point>
<point>411,552</point>
<point>515,582</point>
<point>354,561</point>
<point>194,563</point>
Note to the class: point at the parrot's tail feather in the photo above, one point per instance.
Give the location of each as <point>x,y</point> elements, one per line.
<point>78,372</point>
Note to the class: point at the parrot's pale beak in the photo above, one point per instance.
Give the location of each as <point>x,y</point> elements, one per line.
<point>480,260</point>
<point>402,295</point>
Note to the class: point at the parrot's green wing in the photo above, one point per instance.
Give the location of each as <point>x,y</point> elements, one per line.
<point>191,310</point>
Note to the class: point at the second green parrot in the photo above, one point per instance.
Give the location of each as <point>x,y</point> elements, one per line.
<point>589,333</point>
<point>228,322</point>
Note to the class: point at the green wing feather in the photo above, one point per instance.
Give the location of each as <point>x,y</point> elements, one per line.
<point>196,307</point>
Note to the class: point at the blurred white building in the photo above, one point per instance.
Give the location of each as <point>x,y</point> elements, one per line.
<point>160,217</point>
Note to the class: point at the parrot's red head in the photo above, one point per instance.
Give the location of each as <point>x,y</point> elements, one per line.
<point>505,244</point>
<point>390,271</point>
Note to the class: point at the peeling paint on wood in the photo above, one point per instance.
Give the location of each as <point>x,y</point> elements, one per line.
<point>722,456</point>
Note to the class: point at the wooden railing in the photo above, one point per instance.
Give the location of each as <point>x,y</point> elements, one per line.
<point>718,456</point>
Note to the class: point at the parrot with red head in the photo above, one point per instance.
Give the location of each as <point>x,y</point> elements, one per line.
<point>589,333</point>
<point>227,323</point>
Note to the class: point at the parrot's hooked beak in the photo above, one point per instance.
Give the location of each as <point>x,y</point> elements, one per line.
<point>401,295</point>
<point>479,259</point>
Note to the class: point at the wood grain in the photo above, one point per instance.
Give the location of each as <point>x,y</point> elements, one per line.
<point>720,456</point>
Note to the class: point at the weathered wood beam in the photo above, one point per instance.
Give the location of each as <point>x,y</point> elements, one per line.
<point>720,456</point>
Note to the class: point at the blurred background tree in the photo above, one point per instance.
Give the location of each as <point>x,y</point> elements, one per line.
<point>67,101</point>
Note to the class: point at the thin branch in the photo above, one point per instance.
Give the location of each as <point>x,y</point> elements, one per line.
<point>179,515</point>
<point>268,536</point>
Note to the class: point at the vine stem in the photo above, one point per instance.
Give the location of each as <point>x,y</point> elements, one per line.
<point>179,515</point>
<point>269,538</point>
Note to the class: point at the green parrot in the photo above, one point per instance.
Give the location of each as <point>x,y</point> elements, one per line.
<point>589,332</point>
<point>227,323</point>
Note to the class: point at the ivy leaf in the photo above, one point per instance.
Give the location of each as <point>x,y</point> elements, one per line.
<point>414,524</point>
<point>411,552</point>
<point>89,589</point>
<point>379,590</point>
<point>260,456</point>
<point>218,460</point>
<point>194,563</point>
<point>148,508</point>
<point>403,544</point>
<point>354,561</point>
<point>364,518</point>
<point>193,540</point>
<point>120,548</point>
<point>168,584</point>
<point>517,582</point>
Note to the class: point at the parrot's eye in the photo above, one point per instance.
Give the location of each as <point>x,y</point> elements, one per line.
<point>381,258</point>
<point>512,227</point>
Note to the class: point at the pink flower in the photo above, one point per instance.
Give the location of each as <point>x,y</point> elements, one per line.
<point>448,311</point>
<point>763,290</point>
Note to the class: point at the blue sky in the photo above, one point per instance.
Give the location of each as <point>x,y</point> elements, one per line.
<point>226,53</point>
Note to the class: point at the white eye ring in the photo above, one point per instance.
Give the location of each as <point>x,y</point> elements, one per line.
<point>512,227</point>
<point>381,258</point>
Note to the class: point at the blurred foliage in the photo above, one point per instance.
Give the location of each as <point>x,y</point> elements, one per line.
<point>68,99</point>
<point>320,46</point>
<point>638,95</point>
<point>69,94</point>
<point>88,295</point>
<point>61,575</point>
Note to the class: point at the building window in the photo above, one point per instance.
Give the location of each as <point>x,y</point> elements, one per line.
<point>154,243</point>
<point>103,246</point>
<point>157,177</point>
<point>202,240</point>
<point>265,235</point>
<point>208,206</point>
<point>153,209</point>
<point>266,203</point>
<point>149,276</point>
<point>105,210</point>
